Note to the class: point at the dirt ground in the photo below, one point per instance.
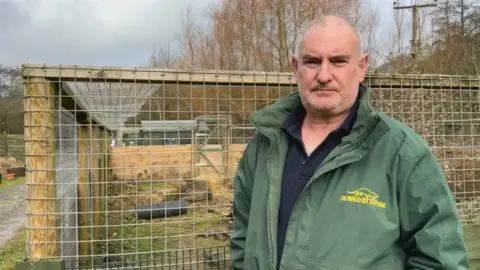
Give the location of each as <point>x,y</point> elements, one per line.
<point>12,211</point>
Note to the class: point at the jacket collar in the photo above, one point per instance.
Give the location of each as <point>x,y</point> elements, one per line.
<point>270,119</point>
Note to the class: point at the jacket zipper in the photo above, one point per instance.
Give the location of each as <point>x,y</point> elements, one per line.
<point>269,217</point>
<point>350,149</point>
<point>311,180</point>
<point>273,258</point>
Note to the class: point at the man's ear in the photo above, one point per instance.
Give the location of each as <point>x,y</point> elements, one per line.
<point>363,66</point>
<point>294,64</point>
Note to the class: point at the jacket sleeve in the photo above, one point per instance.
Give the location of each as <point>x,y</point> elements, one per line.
<point>431,229</point>
<point>243,182</point>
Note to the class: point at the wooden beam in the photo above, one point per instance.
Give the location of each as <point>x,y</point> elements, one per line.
<point>102,180</point>
<point>41,197</point>
<point>83,196</point>
<point>106,178</point>
<point>95,179</point>
<point>234,78</point>
<point>106,145</point>
<point>466,121</point>
<point>108,166</point>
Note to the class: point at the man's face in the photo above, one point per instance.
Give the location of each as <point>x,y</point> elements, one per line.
<point>329,69</point>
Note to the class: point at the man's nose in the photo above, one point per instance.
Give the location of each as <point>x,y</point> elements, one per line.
<point>323,73</point>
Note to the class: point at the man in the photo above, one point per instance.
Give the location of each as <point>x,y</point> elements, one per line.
<point>330,183</point>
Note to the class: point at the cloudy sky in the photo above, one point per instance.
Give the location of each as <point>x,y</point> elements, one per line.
<point>99,32</point>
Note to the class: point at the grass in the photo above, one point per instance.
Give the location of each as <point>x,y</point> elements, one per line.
<point>7,183</point>
<point>127,234</point>
<point>13,251</point>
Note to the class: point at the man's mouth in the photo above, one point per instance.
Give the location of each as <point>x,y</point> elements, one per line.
<point>323,90</point>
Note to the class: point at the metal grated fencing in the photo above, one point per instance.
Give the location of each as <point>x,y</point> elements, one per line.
<point>182,259</point>
<point>66,180</point>
<point>132,168</point>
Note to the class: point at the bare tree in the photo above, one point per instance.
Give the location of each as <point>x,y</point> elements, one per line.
<point>456,49</point>
<point>163,57</point>
<point>261,34</point>
<point>10,81</point>
<point>248,35</point>
<point>11,103</point>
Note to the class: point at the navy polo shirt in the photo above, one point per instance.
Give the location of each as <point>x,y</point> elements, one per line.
<point>299,167</point>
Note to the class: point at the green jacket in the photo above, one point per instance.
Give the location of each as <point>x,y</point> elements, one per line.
<point>379,201</point>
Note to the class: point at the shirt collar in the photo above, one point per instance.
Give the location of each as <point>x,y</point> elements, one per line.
<point>292,124</point>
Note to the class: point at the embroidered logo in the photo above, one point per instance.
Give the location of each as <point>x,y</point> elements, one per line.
<point>363,196</point>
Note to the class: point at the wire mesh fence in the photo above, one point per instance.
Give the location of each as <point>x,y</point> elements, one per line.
<point>184,259</point>
<point>132,168</point>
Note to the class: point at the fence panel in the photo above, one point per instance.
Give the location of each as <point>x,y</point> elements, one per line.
<point>12,145</point>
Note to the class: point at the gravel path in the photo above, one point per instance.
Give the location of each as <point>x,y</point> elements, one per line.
<point>12,211</point>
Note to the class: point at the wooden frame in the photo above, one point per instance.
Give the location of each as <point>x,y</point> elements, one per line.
<point>41,96</point>
<point>41,191</point>
<point>245,78</point>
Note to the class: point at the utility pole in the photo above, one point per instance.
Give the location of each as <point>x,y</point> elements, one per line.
<point>415,42</point>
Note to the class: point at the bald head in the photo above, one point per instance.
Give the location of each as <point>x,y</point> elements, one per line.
<point>329,66</point>
<point>331,23</point>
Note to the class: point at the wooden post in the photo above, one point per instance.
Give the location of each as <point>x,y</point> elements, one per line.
<point>106,147</point>
<point>83,195</point>
<point>227,151</point>
<point>108,166</point>
<point>104,194</point>
<point>415,43</point>
<point>95,180</point>
<point>39,113</point>
<point>5,142</point>
<point>101,180</point>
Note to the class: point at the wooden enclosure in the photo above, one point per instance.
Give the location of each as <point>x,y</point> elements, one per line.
<point>83,190</point>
